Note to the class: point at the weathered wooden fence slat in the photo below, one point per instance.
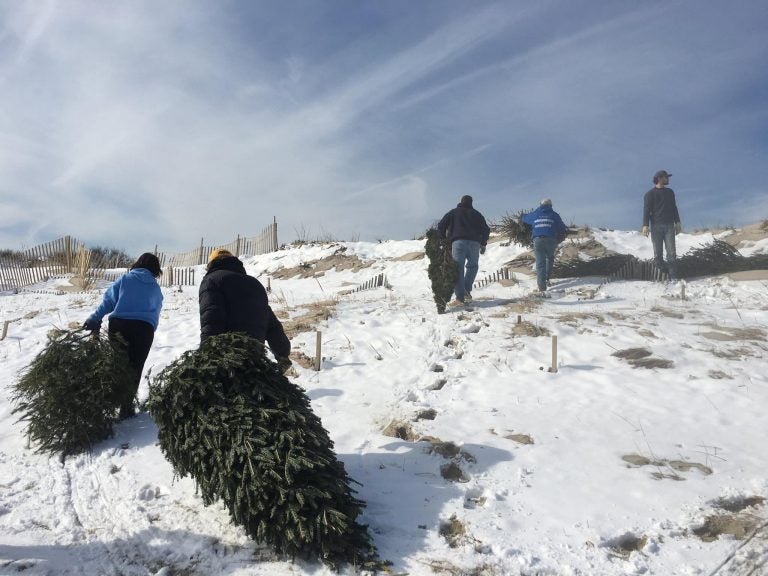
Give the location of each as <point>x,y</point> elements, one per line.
<point>62,255</point>
<point>375,282</point>
<point>501,274</point>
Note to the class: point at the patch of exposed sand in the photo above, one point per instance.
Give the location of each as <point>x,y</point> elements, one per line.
<point>573,319</point>
<point>409,257</point>
<point>590,248</point>
<point>638,460</point>
<point>749,275</point>
<point>751,233</point>
<point>308,320</point>
<point>641,358</point>
<point>738,526</point>
<point>316,268</point>
<point>667,312</point>
<point>730,334</point>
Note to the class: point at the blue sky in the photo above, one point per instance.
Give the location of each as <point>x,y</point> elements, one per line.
<point>130,124</point>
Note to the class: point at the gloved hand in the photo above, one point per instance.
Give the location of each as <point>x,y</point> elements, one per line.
<point>92,325</point>
<point>284,364</point>
<point>678,228</point>
<point>645,231</point>
<point>482,249</point>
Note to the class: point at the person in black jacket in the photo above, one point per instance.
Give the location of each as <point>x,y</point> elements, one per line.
<point>660,211</point>
<point>232,301</point>
<point>468,233</point>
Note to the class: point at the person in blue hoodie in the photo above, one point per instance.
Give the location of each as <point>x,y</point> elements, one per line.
<point>133,303</point>
<point>547,230</point>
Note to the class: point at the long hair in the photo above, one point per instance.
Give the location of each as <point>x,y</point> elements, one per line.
<point>150,262</point>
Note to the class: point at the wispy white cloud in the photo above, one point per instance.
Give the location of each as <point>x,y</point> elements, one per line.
<point>142,123</point>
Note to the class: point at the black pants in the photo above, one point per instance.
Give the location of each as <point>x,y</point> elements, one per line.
<point>137,336</point>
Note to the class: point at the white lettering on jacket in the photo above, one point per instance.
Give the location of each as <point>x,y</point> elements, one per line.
<point>543,222</point>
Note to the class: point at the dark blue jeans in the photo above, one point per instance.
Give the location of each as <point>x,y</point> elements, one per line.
<point>664,235</point>
<point>465,251</point>
<point>544,250</point>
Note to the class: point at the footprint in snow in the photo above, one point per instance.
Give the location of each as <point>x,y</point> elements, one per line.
<point>148,492</point>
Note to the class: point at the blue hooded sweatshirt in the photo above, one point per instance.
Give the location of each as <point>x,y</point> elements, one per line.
<point>545,222</point>
<point>134,296</point>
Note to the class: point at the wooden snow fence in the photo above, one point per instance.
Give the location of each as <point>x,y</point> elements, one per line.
<point>68,255</point>
<point>170,276</point>
<point>712,259</point>
<point>501,274</point>
<point>38,264</point>
<point>635,269</point>
<point>178,277</point>
<point>375,282</point>
<point>241,246</point>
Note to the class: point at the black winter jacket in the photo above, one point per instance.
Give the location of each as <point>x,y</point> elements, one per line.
<point>464,223</point>
<point>232,301</point>
<point>659,207</point>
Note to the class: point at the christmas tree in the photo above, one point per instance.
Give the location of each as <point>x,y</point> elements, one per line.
<point>70,393</point>
<point>442,270</point>
<point>228,417</point>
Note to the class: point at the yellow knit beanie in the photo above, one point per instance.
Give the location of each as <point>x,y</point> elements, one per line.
<point>218,253</point>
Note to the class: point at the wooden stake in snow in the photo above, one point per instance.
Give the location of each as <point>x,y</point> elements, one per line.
<point>554,354</point>
<point>5,329</point>
<point>682,290</point>
<point>318,351</point>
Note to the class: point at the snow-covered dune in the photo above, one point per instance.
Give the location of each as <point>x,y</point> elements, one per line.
<point>640,453</point>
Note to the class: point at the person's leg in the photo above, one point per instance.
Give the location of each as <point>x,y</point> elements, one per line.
<point>473,263</point>
<point>657,239</point>
<point>459,253</point>
<point>136,336</point>
<point>669,243</point>
<point>551,247</point>
<point>540,252</point>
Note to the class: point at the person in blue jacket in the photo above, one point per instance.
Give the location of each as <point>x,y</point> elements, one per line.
<point>133,303</point>
<point>467,231</point>
<point>547,230</point>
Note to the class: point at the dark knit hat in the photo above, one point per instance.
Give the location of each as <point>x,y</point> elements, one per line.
<point>466,200</point>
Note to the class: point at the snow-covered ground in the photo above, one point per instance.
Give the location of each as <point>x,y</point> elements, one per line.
<point>597,468</point>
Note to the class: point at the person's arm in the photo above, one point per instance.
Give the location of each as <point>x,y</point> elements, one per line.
<point>646,209</point>
<point>528,218</point>
<point>157,304</point>
<point>276,338</point>
<point>674,207</point>
<point>486,231</point>
<point>108,303</point>
<point>678,224</point>
<point>561,227</point>
<point>213,312</point>
<point>444,223</point>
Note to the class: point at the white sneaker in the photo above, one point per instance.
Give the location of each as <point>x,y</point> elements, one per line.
<point>455,304</point>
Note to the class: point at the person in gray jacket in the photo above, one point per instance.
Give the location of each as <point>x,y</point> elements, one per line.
<point>660,212</point>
